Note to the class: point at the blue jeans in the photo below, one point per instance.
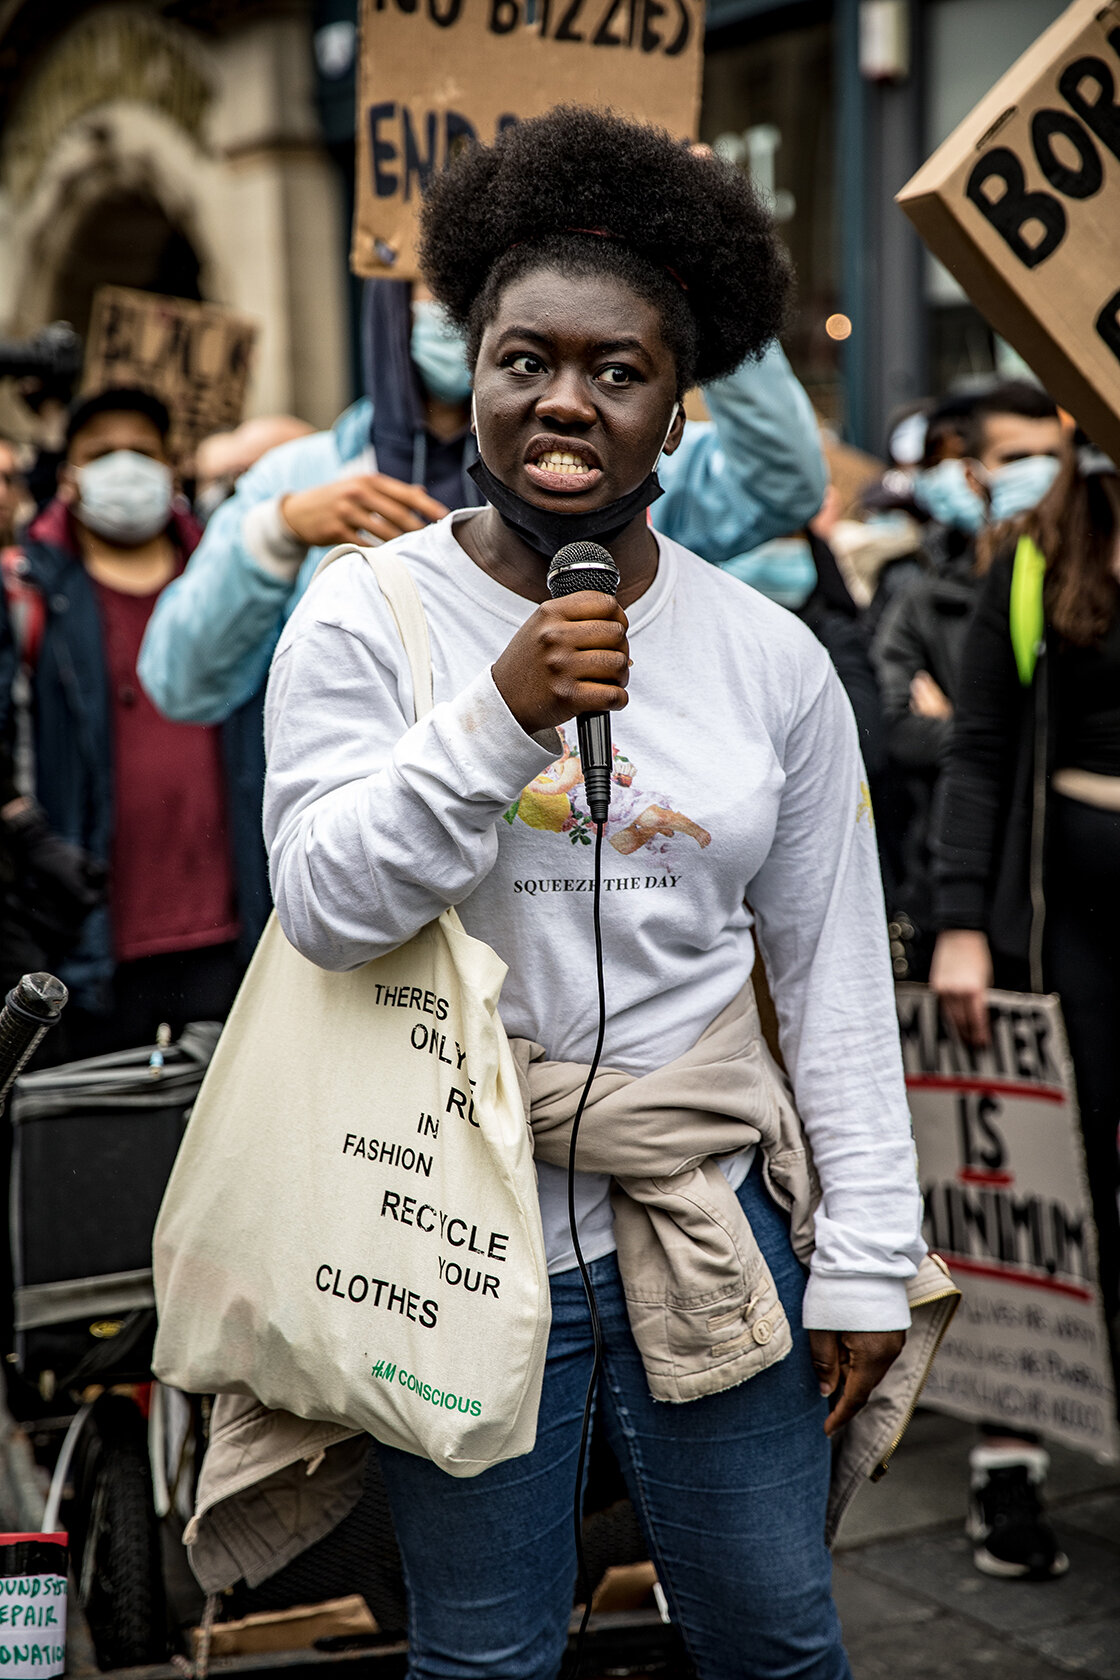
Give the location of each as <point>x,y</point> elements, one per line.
<point>730,1491</point>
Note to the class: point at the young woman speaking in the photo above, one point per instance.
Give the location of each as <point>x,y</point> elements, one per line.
<point>599,270</point>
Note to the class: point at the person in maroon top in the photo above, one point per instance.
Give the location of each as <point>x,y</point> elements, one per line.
<point>143,796</point>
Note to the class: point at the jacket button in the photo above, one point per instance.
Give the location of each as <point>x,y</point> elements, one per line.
<point>762,1331</point>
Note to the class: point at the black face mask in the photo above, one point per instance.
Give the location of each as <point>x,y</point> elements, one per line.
<point>547,532</point>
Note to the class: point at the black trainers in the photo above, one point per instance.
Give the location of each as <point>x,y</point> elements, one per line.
<point>1006,1523</point>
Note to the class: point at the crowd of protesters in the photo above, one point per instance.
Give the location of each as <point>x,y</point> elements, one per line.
<point>968,599</point>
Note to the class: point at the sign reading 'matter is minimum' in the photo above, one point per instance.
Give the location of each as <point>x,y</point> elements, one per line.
<point>436,74</point>
<point>1007,1205</point>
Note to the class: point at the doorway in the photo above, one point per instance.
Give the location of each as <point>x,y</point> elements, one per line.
<point>125,239</point>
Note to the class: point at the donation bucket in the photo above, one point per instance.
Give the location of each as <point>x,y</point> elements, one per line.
<point>32,1605</point>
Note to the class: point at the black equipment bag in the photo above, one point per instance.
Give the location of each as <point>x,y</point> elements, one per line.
<point>93,1146</point>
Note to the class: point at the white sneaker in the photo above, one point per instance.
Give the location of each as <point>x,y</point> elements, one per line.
<point>1007,1525</point>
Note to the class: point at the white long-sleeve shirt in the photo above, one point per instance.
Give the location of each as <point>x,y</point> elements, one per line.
<point>737,778</point>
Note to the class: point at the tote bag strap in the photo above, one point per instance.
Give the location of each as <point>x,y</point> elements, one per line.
<point>400,591</point>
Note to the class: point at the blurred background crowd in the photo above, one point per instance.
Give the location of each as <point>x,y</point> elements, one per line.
<point>892,473</point>
<point>877,474</point>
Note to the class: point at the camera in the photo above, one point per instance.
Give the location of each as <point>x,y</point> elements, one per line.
<point>47,363</point>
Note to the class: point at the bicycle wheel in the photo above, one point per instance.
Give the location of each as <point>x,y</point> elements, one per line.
<point>120,1578</point>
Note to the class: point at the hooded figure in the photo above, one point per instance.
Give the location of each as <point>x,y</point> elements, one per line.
<point>411,360</point>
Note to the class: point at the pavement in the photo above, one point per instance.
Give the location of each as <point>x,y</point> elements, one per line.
<point>911,1603</point>
<point>914,1608</point>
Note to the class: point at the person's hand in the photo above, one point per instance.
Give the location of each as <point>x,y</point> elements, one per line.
<point>960,974</point>
<point>827,516</point>
<point>64,871</point>
<point>927,699</point>
<point>350,507</point>
<point>58,883</point>
<point>571,656</point>
<point>856,1359</point>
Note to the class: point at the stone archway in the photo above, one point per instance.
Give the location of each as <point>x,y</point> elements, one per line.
<point>133,155</point>
<point>123,238</point>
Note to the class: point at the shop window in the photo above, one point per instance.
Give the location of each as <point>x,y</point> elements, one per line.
<point>969,44</point>
<point>768,107</point>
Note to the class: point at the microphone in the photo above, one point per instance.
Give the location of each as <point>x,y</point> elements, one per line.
<point>588,565</point>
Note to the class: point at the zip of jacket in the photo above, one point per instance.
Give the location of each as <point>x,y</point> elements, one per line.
<point>1038,815</point>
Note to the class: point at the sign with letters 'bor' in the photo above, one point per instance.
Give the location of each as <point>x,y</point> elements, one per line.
<point>1007,1205</point>
<point>1022,204</point>
<point>196,357</point>
<point>436,74</point>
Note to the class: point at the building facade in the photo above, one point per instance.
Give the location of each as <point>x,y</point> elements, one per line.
<point>205,148</point>
<point>176,148</point>
<point>833,105</point>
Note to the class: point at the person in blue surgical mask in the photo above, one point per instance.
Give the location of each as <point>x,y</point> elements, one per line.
<point>781,569</point>
<point>437,353</point>
<point>123,794</point>
<point>1010,441</point>
<point>800,572</point>
<point>1027,891</point>
<point>934,492</point>
<point>1002,460</point>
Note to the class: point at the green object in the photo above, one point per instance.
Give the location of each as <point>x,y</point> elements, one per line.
<point>1027,618</point>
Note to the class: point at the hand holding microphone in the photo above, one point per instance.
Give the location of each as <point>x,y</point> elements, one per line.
<point>572,659</point>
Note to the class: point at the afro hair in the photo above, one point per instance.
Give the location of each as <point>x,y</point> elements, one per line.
<point>585,191</point>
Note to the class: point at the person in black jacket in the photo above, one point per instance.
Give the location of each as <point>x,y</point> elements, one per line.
<point>1027,872</point>
<point>1011,438</point>
<point>833,617</point>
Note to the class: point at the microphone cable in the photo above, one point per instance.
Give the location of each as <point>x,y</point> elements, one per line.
<point>577,566</point>
<point>584,1272</point>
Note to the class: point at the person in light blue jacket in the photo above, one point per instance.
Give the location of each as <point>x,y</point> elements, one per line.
<point>752,472</point>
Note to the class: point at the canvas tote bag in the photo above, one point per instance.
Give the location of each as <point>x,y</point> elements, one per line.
<point>351,1229</point>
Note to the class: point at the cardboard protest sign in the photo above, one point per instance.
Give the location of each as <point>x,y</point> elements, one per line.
<point>436,74</point>
<point>33,1571</point>
<point>196,357</point>
<point>1022,204</point>
<point>1007,1205</point>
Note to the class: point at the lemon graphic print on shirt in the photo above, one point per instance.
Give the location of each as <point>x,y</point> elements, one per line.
<point>639,822</point>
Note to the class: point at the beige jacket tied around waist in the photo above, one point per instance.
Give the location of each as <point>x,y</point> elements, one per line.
<point>702,1304</point>
<point>703,1307</point>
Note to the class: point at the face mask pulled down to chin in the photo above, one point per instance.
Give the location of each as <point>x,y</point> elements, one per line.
<point>547,531</point>
<point>125,497</point>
